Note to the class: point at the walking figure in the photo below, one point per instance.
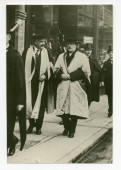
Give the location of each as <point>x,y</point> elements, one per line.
<point>71,69</point>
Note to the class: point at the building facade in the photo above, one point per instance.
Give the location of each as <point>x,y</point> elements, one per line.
<point>86,23</point>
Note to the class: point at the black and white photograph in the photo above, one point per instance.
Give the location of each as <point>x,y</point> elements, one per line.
<point>59,84</point>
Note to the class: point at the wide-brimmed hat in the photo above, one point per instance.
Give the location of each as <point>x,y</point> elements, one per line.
<point>70,41</point>
<point>8,31</point>
<point>9,27</point>
<point>88,46</point>
<point>39,36</point>
<point>110,48</point>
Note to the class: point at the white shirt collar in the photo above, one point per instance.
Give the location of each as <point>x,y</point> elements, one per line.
<point>36,50</point>
<point>7,46</point>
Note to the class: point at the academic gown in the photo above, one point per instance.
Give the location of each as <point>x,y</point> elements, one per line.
<point>35,84</point>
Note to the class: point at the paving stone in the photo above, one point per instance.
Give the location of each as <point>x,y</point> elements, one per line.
<point>52,147</point>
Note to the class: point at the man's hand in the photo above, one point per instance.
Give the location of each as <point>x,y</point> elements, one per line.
<point>43,77</point>
<point>19,107</point>
<point>65,76</point>
<point>102,83</point>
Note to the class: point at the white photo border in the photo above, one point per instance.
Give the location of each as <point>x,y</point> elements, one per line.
<point>116,80</point>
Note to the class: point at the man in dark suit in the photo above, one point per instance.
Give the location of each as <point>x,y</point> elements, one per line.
<point>15,92</point>
<point>36,60</point>
<point>107,77</point>
<point>95,74</point>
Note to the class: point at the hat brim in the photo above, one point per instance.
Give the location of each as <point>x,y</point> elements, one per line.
<point>39,37</point>
<point>109,51</point>
<point>9,32</point>
<point>88,46</point>
<point>69,41</point>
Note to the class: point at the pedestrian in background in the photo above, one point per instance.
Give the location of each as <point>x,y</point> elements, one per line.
<point>95,77</point>
<point>71,69</point>
<point>15,94</point>
<point>37,73</point>
<point>107,77</point>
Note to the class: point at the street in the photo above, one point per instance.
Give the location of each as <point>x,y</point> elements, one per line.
<point>101,153</point>
<point>56,148</point>
<point>59,63</point>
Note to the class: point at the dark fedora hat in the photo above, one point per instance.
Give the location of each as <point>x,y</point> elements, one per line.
<point>8,28</point>
<point>70,41</point>
<point>8,31</point>
<point>88,46</point>
<point>39,36</point>
<point>110,48</point>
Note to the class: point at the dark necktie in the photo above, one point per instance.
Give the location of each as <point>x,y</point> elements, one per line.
<point>37,66</point>
<point>37,56</point>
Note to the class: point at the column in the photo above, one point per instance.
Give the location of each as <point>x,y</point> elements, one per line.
<point>95,30</point>
<point>20,15</point>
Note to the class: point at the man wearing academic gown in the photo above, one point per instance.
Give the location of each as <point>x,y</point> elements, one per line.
<point>72,71</point>
<point>37,73</point>
<point>15,91</point>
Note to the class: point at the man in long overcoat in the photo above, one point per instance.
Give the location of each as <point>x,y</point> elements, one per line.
<point>15,92</point>
<point>107,77</point>
<point>95,74</point>
<point>71,70</point>
<point>37,74</point>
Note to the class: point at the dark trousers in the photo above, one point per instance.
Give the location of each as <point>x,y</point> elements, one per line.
<point>38,122</point>
<point>110,99</point>
<point>70,122</point>
<point>11,118</point>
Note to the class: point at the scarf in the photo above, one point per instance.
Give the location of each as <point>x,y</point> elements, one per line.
<point>44,66</point>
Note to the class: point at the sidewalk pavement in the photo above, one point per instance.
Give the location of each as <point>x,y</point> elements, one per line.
<point>52,147</point>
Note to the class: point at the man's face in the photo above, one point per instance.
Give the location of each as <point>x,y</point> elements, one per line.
<point>88,53</point>
<point>70,47</point>
<point>8,38</point>
<point>40,43</point>
<point>111,54</point>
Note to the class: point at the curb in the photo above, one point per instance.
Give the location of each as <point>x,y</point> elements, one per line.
<point>78,153</point>
<point>92,147</point>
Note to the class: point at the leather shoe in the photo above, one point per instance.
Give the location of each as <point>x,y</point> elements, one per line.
<point>65,132</point>
<point>29,130</point>
<point>109,114</point>
<point>13,147</point>
<point>38,132</point>
<point>71,135</point>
